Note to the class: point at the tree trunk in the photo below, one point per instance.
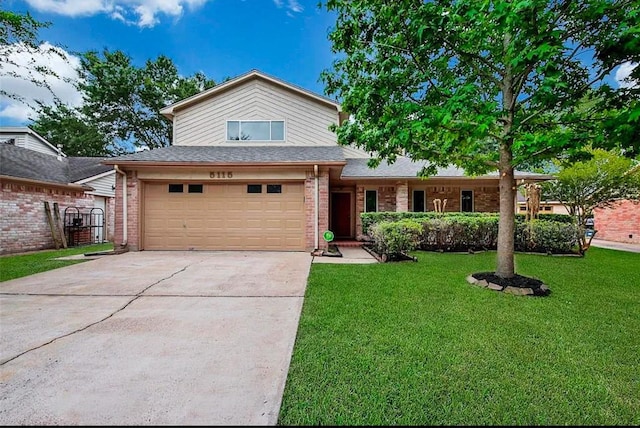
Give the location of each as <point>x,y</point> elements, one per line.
<point>506,226</point>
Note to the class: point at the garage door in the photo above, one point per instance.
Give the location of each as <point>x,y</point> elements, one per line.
<point>249,216</point>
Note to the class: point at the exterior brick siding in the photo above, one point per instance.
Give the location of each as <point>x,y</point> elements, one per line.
<point>23,223</point>
<point>133,220</point>
<point>620,223</point>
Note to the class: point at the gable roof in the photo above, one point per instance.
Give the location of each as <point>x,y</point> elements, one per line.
<point>26,130</point>
<point>189,155</point>
<point>19,162</point>
<point>169,110</point>
<point>404,168</point>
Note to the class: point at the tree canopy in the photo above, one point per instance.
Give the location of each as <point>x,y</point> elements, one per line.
<point>482,85</point>
<point>599,182</point>
<point>125,100</point>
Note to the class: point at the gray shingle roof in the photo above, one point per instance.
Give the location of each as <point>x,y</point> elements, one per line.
<point>236,154</point>
<point>24,163</point>
<point>407,168</point>
<point>85,167</point>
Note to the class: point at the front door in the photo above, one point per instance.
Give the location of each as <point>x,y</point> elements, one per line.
<point>341,214</point>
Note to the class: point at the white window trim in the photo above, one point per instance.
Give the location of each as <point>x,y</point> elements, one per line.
<point>365,200</point>
<point>284,128</point>
<point>424,200</point>
<point>473,200</point>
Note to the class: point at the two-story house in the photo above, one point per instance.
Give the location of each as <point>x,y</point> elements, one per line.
<point>254,166</point>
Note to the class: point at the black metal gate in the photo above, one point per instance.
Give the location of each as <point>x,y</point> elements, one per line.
<point>83,226</point>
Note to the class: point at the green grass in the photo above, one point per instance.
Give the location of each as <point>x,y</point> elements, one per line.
<point>415,344</point>
<point>17,266</point>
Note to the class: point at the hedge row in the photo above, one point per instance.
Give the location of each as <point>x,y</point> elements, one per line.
<point>469,233</point>
<point>369,219</point>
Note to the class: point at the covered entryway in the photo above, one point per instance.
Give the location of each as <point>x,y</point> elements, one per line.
<point>234,216</point>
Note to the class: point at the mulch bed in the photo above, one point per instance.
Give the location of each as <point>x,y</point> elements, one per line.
<point>518,284</point>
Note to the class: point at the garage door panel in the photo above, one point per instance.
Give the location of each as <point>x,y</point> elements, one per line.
<point>224,217</point>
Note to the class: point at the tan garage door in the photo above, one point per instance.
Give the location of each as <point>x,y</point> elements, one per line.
<point>224,216</point>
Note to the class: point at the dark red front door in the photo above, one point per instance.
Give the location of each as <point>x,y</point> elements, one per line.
<point>341,214</point>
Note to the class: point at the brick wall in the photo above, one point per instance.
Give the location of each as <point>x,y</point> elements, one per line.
<point>323,208</point>
<point>133,220</point>
<point>620,223</point>
<point>402,196</point>
<point>23,223</point>
<point>111,218</point>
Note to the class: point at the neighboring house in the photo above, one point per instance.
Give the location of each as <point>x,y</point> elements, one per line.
<point>32,171</point>
<point>254,166</point>
<point>620,222</point>
<point>546,207</point>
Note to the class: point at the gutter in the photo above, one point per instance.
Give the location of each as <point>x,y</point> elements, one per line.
<point>124,204</point>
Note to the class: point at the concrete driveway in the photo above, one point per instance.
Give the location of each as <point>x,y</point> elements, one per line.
<point>151,338</point>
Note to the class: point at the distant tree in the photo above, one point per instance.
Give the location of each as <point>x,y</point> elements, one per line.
<point>74,130</point>
<point>125,100</point>
<point>595,183</point>
<point>19,37</point>
<point>483,85</point>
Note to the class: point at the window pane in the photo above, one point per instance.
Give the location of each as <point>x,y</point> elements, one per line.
<point>467,201</point>
<point>195,188</point>
<point>175,188</point>
<point>371,201</point>
<point>255,130</point>
<point>274,188</point>
<point>233,130</point>
<point>254,188</point>
<point>418,201</point>
<point>277,130</point>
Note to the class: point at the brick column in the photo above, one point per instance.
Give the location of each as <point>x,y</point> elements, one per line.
<point>359,210</point>
<point>402,196</point>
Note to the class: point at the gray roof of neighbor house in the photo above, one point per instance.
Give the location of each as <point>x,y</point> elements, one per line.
<point>28,164</point>
<point>234,155</point>
<point>404,168</point>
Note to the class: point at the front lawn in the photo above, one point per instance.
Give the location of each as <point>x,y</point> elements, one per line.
<point>27,264</point>
<point>415,344</point>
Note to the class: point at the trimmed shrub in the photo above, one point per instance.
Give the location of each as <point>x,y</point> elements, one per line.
<point>560,218</point>
<point>369,219</point>
<point>393,238</point>
<point>459,233</point>
<point>542,236</point>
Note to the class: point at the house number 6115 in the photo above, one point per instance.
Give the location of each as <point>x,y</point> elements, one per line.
<point>221,174</point>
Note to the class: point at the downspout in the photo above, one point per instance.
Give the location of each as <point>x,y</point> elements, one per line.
<point>315,174</point>
<point>124,204</point>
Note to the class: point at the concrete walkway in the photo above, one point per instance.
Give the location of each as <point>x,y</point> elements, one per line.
<point>622,246</point>
<point>350,255</point>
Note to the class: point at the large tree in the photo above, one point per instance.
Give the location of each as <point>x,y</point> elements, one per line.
<point>125,100</point>
<point>483,85</point>
<point>74,130</point>
<point>599,182</point>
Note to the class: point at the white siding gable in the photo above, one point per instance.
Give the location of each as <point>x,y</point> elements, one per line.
<point>306,120</point>
<point>27,140</point>
<point>102,184</point>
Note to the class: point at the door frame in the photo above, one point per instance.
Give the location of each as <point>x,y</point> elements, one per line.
<point>352,209</point>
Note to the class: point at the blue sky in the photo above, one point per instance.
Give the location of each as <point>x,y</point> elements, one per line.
<point>221,38</point>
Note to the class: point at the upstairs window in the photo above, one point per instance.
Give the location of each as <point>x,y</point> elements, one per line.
<point>255,130</point>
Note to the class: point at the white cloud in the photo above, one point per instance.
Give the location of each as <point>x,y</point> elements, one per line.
<point>143,13</point>
<point>622,74</point>
<point>292,6</point>
<point>19,67</point>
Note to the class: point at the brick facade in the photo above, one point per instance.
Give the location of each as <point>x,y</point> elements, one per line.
<point>133,206</point>
<point>323,208</point>
<point>23,223</point>
<point>400,198</point>
<point>620,223</point>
